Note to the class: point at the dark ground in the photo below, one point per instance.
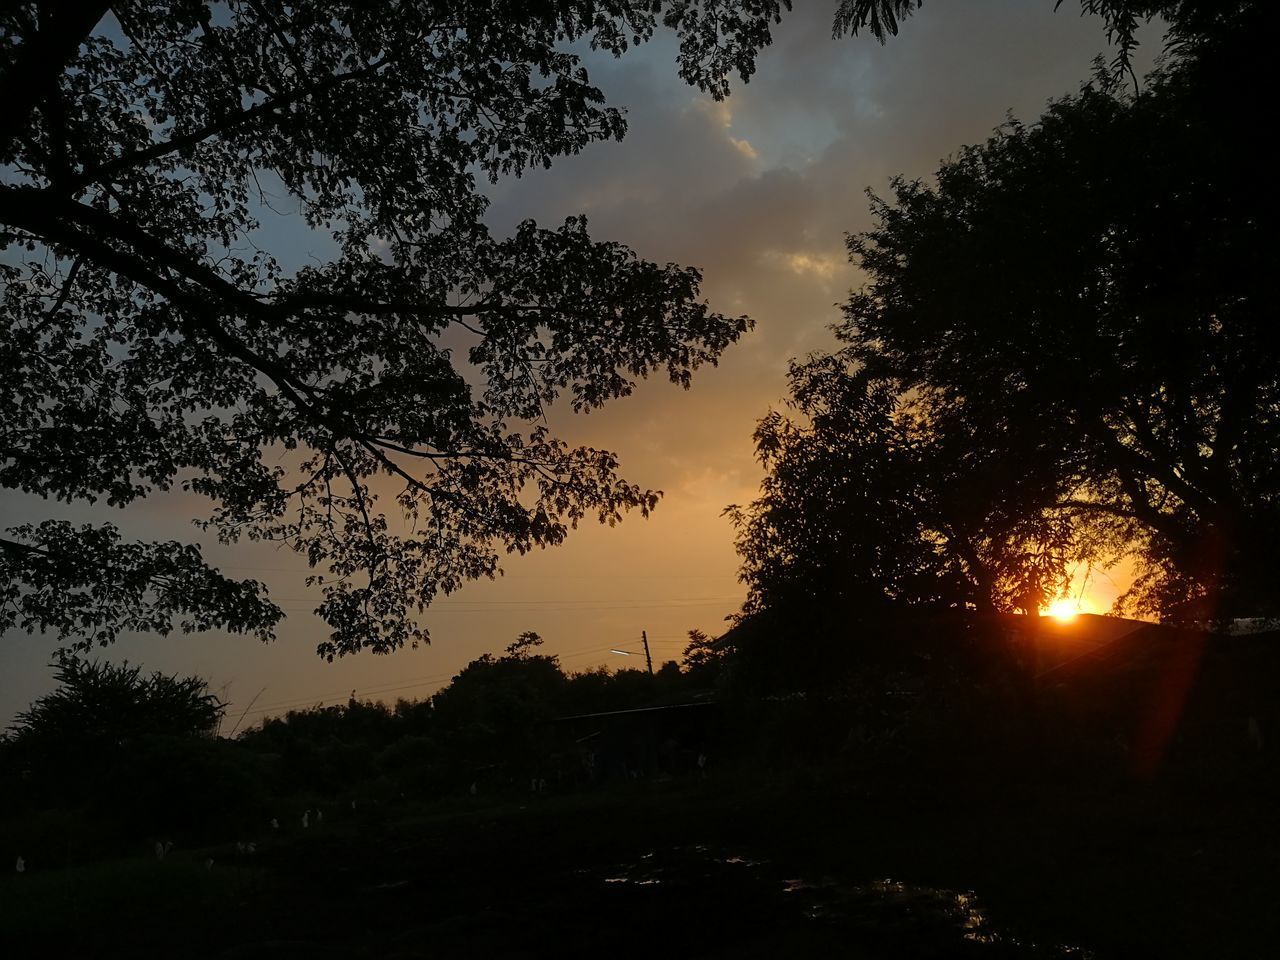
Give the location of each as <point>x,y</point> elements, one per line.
<point>1147,872</point>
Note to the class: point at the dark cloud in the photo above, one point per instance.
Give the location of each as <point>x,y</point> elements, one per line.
<point>759,190</point>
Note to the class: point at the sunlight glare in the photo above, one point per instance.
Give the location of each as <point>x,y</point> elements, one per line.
<point>1064,610</point>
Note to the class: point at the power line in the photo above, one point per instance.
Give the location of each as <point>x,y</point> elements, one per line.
<point>336,694</point>
<point>603,608</point>
<point>521,576</point>
<point>655,601</point>
<point>306,702</point>
<point>321,700</point>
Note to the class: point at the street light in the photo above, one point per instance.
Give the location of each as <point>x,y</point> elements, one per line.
<point>644,638</point>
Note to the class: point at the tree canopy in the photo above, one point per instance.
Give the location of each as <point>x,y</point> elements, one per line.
<point>874,499</point>
<point>150,341</point>
<point>114,703</point>
<point>1061,354</point>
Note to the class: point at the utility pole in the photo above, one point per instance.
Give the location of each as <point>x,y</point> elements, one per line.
<point>644,637</point>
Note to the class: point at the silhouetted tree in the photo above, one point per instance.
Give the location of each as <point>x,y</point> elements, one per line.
<point>494,713</point>
<point>131,753</point>
<point>836,522</point>
<point>874,499</point>
<point>524,645</point>
<point>149,341</point>
<point>1060,356</point>
<point>97,701</point>
<point>704,661</point>
<point>1087,298</point>
<point>331,748</point>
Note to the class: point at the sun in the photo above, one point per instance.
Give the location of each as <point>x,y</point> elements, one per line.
<point>1064,610</point>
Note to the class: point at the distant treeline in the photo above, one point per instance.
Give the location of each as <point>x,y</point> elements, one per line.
<point>112,759</point>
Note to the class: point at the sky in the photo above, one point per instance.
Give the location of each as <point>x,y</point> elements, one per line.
<point>758,191</point>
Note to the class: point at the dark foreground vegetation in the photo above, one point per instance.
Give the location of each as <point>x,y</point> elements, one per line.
<point>945,802</point>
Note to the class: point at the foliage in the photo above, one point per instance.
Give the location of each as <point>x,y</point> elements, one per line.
<point>836,522</point>
<point>97,701</point>
<point>508,693</point>
<point>524,645</point>
<point>497,720</point>
<point>703,659</point>
<point>151,343</point>
<point>85,582</point>
<point>1087,293</point>
<point>113,759</point>
<point>1060,356</point>
<point>872,500</point>
<point>130,754</point>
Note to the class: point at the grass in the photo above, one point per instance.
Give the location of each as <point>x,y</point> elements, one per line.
<point>90,909</point>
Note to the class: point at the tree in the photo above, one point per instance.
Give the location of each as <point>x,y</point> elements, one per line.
<point>496,711</point>
<point>875,499</point>
<point>704,660</point>
<point>123,755</point>
<point>523,646</point>
<point>1060,356</point>
<point>1095,285</point>
<point>105,703</point>
<point>149,343</point>
<point>834,524</point>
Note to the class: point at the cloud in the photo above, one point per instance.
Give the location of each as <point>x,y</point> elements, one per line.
<point>818,265</point>
<point>744,147</point>
<point>759,190</point>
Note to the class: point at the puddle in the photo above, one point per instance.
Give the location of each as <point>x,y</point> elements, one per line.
<point>880,913</point>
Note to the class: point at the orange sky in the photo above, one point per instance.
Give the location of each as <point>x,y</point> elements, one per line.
<point>758,192</point>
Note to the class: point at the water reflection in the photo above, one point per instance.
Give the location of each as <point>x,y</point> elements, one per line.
<point>914,919</point>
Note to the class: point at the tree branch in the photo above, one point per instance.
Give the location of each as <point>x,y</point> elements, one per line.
<point>222,125</point>
<point>41,59</point>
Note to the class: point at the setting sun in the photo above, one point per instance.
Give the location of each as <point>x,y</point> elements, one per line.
<point>1064,609</point>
